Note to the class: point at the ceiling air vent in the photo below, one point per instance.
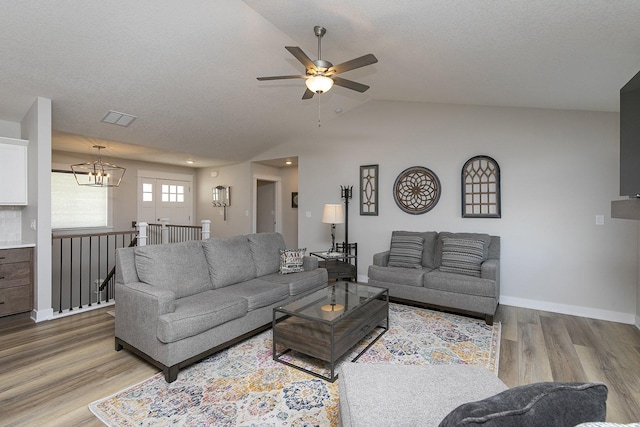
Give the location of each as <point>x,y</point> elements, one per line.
<point>117,118</point>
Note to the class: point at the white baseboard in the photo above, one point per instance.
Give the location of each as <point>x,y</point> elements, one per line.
<point>574,310</point>
<point>637,321</point>
<point>41,315</point>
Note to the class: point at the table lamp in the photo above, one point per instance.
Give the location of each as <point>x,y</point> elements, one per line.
<point>333,214</point>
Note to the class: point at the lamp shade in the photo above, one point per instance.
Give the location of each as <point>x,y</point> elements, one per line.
<point>332,214</point>
<point>319,84</point>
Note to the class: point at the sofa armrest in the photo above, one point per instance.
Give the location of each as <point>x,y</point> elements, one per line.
<point>381,259</point>
<point>138,307</point>
<point>309,263</point>
<point>490,269</point>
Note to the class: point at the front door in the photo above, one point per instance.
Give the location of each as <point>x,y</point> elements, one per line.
<point>160,198</point>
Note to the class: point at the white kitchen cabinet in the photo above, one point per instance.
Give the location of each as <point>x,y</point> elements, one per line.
<point>13,171</point>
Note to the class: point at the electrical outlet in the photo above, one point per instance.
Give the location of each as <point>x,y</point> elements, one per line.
<point>599,219</point>
<point>33,224</point>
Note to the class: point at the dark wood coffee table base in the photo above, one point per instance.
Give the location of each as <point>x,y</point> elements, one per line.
<point>331,340</point>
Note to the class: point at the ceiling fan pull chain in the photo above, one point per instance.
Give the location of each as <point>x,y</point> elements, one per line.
<point>318,110</point>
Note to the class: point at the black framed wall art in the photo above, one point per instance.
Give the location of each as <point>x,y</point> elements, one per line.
<point>369,190</point>
<point>481,188</point>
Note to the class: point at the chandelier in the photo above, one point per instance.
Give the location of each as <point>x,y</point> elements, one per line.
<point>98,173</point>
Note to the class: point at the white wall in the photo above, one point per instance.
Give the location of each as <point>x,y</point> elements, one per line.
<point>238,177</point>
<point>559,170</point>
<point>10,129</point>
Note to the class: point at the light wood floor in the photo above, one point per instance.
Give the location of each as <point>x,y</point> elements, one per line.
<point>50,371</point>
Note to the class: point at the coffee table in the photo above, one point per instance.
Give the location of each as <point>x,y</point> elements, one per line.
<point>327,323</point>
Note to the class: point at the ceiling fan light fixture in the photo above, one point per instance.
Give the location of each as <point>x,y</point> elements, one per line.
<point>319,84</point>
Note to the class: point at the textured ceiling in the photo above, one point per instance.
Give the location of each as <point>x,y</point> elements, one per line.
<point>188,69</point>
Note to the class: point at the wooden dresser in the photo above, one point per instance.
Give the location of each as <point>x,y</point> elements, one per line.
<point>16,280</point>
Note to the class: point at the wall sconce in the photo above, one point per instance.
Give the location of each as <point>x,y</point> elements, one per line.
<point>221,198</point>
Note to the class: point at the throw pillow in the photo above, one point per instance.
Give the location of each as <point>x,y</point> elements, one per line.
<point>462,256</point>
<point>291,260</point>
<point>546,404</point>
<point>406,251</point>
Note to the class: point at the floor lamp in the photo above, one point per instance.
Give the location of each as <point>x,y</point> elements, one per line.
<point>333,214</point>
<point>346,192</point>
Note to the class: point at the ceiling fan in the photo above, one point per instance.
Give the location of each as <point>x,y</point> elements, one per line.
<point>320,75</point>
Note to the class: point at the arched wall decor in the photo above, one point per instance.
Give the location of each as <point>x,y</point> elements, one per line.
<point>416,190</point>
<point>481,188</point>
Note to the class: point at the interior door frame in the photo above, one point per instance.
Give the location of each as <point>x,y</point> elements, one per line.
<point>278,202</point>
<point>142,173</point>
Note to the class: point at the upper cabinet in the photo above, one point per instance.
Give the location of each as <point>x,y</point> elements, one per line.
<point>13,171</point>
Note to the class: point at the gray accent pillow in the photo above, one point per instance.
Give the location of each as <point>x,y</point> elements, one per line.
<point>292,260</point>
<point>178,267</point>
<point>462,256</point>
<point>265,249</point>
<point>229,259</point>
<point>548,404</point>
<point>406,251</point>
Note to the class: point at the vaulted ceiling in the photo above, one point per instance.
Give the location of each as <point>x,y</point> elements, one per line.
<point>187,69</point>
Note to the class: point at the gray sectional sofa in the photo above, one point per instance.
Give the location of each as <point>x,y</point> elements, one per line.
<point>178,303</point>
<point>454,271</point>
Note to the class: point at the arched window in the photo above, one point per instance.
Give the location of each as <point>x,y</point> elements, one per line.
<point>481,188</point>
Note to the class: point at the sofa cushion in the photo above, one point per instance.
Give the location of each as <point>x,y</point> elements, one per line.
<point>460,284</point>
<point>430,239</point>
<point>229,259</point>
<point>178,267</point>
<point>292,260</point>
<point>198,313</point>
<point>462,256</point>
<point>301,282</point>
<point>265,249</point>
<point>258,292</point>
<point>541,404</point>
<point>406,251</point>
<point>397,275</point>
<point>470,236</point>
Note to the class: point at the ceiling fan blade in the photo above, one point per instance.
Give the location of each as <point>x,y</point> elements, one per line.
<point>353,64</point>
<point>350,84</point>
<point>301,56</point>
<point>281,77</point>
<point>307,94</point>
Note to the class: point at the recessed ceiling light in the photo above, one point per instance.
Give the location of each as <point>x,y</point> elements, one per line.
<point>117,118</point>
<point>288,162</point>
<point>191,161</point>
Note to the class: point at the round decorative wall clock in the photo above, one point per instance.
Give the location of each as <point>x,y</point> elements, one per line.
<point>416,190</point>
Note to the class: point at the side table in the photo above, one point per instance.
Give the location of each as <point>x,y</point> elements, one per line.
<point>340,265</point>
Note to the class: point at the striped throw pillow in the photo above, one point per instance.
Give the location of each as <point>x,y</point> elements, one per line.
<point>462,256</point>
<point>406,251</point>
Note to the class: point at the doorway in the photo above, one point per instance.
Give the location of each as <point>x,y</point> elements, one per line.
<point>266,206</point>
<point>162,196</point>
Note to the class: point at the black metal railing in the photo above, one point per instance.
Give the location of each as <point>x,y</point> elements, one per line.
<point>83,265</point>
<point>80,266</point>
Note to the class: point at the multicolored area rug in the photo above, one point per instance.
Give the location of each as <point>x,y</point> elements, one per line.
<point>244,386</point>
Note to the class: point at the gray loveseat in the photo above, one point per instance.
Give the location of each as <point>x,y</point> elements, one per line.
<point>178,303</point>
<point>455,271</point>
